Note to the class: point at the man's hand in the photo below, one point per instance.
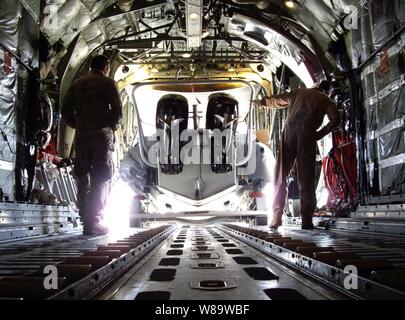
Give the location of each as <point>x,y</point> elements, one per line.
<point>264,101</point>
<point>259,105</point>
<point>261,102</point>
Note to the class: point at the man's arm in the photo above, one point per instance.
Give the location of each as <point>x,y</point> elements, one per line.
<point>115,105</point>
<point>334,119</point>
<point>68,108</point>
<point>280,101</point>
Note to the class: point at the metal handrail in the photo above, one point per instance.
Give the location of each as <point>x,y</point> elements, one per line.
<point>143,147</point>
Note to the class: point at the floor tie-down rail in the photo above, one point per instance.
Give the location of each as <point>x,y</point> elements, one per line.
<point>203,263</point>
<point>380,270</point>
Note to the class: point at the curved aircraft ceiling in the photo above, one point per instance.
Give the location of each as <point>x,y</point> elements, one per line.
<point>156,31</point>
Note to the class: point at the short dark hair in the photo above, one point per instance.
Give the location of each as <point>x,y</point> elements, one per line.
<point>325,86</point>
<point>99,62</point>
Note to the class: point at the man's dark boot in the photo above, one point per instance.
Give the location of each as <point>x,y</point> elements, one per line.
<point>276,223</point>
<point>95,230</point>
<point>307,225</point>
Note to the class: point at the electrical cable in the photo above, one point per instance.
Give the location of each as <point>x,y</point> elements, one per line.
<point>6,140</point>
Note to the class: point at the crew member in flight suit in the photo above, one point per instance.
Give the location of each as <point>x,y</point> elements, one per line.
<point>93,107</point>
<point>306,111</point>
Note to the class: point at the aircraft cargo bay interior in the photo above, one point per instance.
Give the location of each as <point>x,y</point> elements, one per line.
<point>172,150</point>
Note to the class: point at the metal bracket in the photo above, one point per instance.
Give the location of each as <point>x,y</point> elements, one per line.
<point>204,255</point>
<point>213,285</point>
<point>218,265</point>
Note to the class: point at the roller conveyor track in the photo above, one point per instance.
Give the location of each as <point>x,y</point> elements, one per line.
<point>379,259</point>
<point>205,263</point>
<point>84,264</point>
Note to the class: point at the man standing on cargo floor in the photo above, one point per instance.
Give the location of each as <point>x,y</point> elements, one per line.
<point>306,111</point>
<point>93,107</point>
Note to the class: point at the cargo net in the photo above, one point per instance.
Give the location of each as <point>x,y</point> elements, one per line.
<point>383,82</point>
<point>8,138</point>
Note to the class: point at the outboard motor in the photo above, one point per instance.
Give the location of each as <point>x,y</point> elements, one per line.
<point>172,118</point>
<point>222,116</point>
